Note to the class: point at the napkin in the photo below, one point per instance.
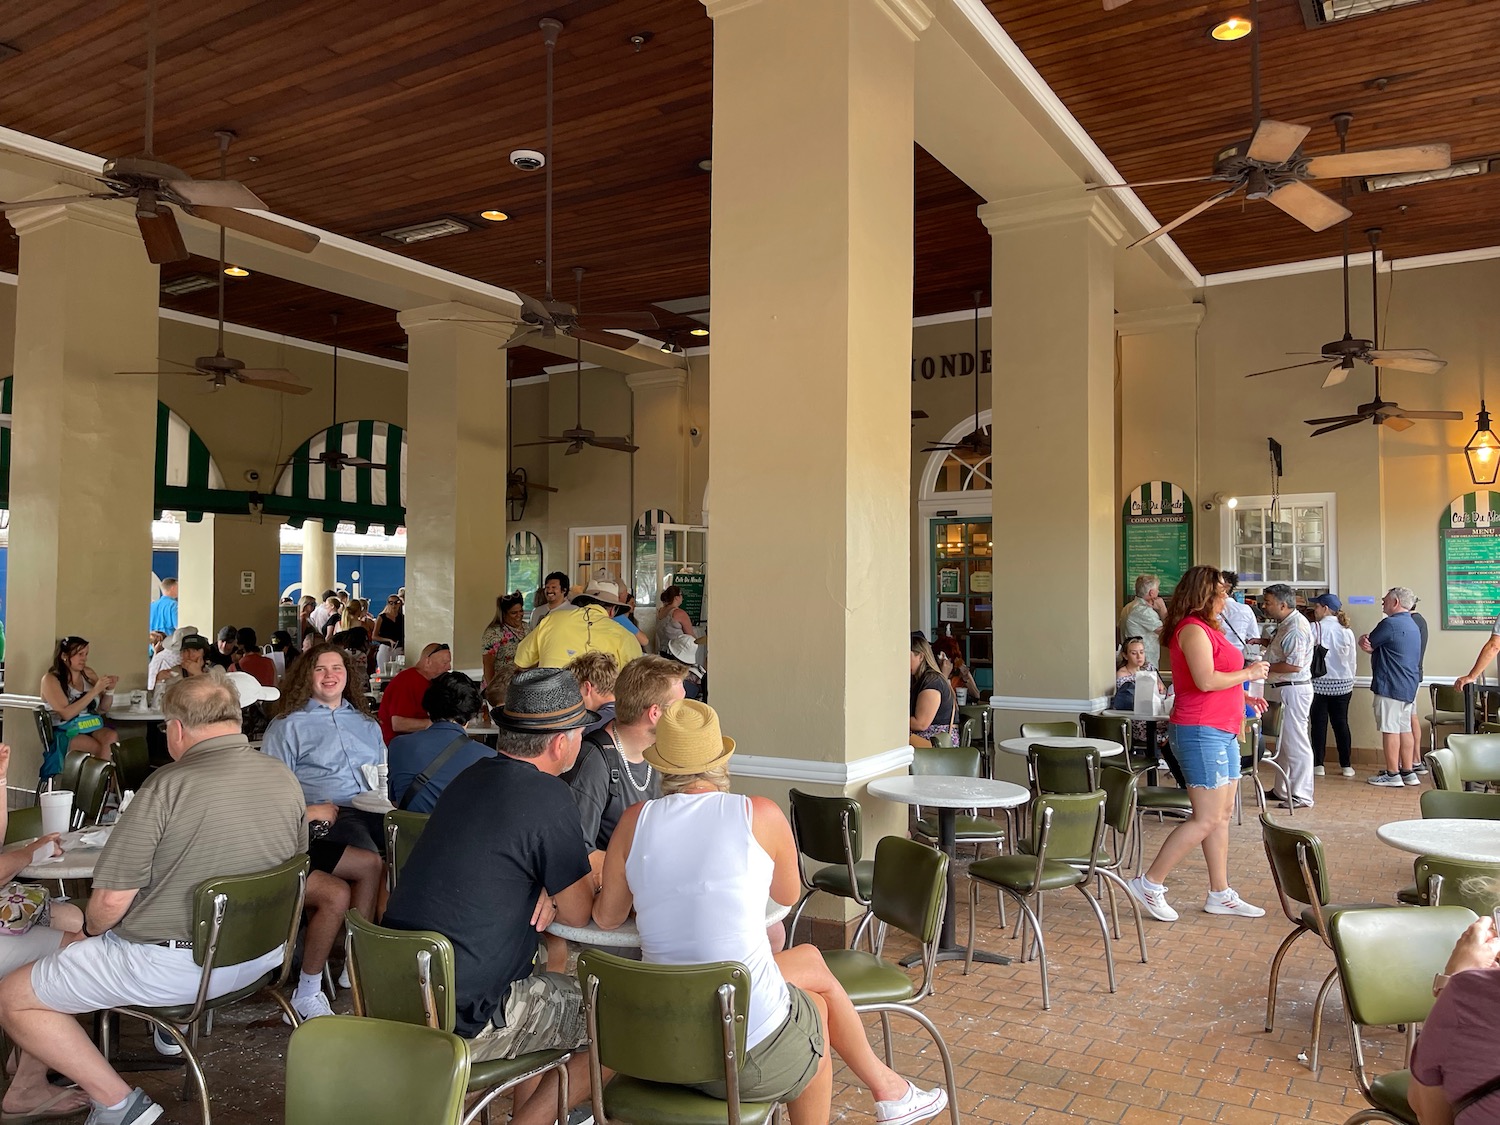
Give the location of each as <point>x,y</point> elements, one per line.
<point>87,838</point>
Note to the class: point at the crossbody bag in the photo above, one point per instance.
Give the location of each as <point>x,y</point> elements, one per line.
<point>424,779</point>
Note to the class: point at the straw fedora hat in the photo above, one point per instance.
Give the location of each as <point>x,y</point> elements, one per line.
<point>688,740</point>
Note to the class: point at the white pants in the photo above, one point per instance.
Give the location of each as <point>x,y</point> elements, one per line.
<point>1294,752</point>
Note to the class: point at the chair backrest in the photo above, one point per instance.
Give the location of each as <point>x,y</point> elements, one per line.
<point>95,776</point>
<point>1119,798</point>
<point>1270,721</point>
<point>404,975</point>
<point>1249,742</point>
<point>402,831</point>
<point>665,1023</point>
<point>970,732</point>
<point>909,885</point>
<point>1477,755</point>
<point>241,917</point>
<point>1068,826</point>
<point>1444,765</point>
<point>1064,728</point>
<point>1388,957</point>
<point>1451,882</point>
<point>132,762</point>
<point>1062,769</point>
<point>376,1072</point>
<point>1297,866</point>
<point>1444,804</point>
<point>48,736</point>
<point>1446,698</point>
<point>946,761</point>
<point>23,824</point>
<point>827,829</point>
<point>1102,726</point>
<point>71,770</point>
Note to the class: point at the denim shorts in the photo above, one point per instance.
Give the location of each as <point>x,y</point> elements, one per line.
<point>1210,757</point>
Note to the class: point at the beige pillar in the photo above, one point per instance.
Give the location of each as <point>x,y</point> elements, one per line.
<point>455,482</point>
<point>83,448</point>
<point>196,586</point>
<point>318,559</point>
<point>810,460</point>
<point>660,427</point>
<point>1159,397</point>
<point>247,553</point>
<point>1056,513</point>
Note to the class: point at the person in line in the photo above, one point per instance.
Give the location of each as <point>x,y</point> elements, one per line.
<point>1455,1066</point>
<point>1142,616</point>
<point>672,621</point>
<point>390,631</point>
<point>401,710</point>
<point>504,634</point>
<point>500,859</point>
<point>424,762</point>
<point>588,625</point>
<point>554,596</point>
<point>1418,766</point>
<point>1239,622</point>
<point>1395,648</point>
<point>164,608</point>
<point>628,622</point>
<point>252,660</point>
<point>1206,719</point>
<point>597,674</point>
<point>1332,690</point>
<point>685,650</point>
<point>933,707</point>
<point>697,865</point>
<point>325,736</point>
<point>356,642</point>
<point>78,696</point>
<point>329,609</point>
<point>1290,655</point>
<point>219,808</point>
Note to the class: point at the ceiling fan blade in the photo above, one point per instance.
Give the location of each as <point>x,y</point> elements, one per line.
<point>1289,367</point>
<point>1434,415</point>
<point>535,307</point>
<point>162,238</point>
<point>543,487</point>
<point>1308,205</point>
<point>1337,374</point>
<point>1111,5</point>
<point>189,371</point>
<point>59,200</point>
<point>1184,217</point>
<point>607,339</point>
<point>1402,363</point>
<point>576,447</point>
<point>1275,141</point>
<point>278,385</point>
<point>216,193</point>
<point>915,414</point>
<point>1335,418</point>
<point>1339,426</point>
<point>255,225</point>
<point>1151,183</point>
<point>1405,353</point>
<point>1397,423</point>
<point>613,443</point>
<point>1381,161</point>
<point>259,374</point>
<point>361,463</point>
<point>545,441</point>
<point>607,320</point>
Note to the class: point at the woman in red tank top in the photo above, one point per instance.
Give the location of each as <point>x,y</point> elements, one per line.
<point>1209,675</point>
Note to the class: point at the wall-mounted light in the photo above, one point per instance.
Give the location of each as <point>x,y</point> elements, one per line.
<point>1223,500</point>
<point>1483,451</point>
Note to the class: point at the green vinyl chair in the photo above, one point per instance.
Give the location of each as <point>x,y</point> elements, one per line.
<point>1451,882</point>
<point>407,976</point>
<point>23,824</point>
<point>132,762</point>
<point>1386,960</point>
<point>1120,792</point>
<point>1052,768</point>
<point>827,831</point>
<point>1114,730</point>
<point>1447,712</point>
<point>402,831</point>
<point>1477,757</point>
<point>96,778</point>
<point>663,1029</point>
<point>72,769</point>
<point>909,893</point>
<point>969,827</point>
<point>1062,728</point>
<point>1444,766</point>
<point>375,1072</point>
<point>1448,804</point>
<point>236,918</point>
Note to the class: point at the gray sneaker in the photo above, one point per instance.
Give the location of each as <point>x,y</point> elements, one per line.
<point>1421,767</point>
<point>1390,780</point>
<point>1409,778</point>
<point>138,1110</point>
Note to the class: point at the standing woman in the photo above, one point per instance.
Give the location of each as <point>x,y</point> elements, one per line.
<point>77,695</point>
<point>390,630</point>
<point>1333,690</point>
<point>933,707</point>
<point>1209,674</point>
<point>304,616</point>
<point>504,634</point>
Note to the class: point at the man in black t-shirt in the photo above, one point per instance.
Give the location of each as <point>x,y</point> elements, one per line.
<point>500,858</point>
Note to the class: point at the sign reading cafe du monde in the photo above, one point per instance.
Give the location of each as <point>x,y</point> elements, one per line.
<point>954,365</point>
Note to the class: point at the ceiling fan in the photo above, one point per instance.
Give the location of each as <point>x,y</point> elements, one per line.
<point>976,442</point>
<point>548,316</point>
<point>1270,165</point>
<point>218,368</point>
<point>152,184</point>
<point>518,485</point>
<point>336,459</point>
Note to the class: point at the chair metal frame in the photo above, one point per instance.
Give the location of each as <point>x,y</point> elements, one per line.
<point>392,834</point>
<point>850,863</point>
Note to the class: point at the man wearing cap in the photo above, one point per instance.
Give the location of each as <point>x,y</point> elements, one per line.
<point>222,654</point>
<point>401,710</point>
<point>587,625</point>
<point>500,858</point>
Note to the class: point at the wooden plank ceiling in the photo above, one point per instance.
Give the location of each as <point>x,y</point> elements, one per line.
<point>359,120</point>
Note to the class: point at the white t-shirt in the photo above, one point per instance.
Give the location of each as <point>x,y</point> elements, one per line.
<point>1239,625</point>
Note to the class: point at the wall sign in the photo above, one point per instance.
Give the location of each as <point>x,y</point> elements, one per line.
<point>1157,519</point>
<point>950,582</point>
<point>691,586</point>
<point>1469,561</point>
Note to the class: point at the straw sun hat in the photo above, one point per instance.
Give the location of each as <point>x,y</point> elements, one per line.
<point>688,740</point>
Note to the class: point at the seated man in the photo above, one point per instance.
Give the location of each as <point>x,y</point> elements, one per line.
<point>588,625</point>
<point>401,706</point>
<point>424,762</point>
<point>1456,1064</point>
<point>499,860</point>
<point>220,808</point>
<point>596,673</point>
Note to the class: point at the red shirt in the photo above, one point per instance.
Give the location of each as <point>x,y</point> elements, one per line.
<point>1224,709</point>
<point>403,696</point>
<point>261,667</point>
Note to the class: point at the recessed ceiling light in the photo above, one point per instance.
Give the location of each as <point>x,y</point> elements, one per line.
<point>422,232</point>
<point>494,216</point>
<point>1235,27</point>
<point>188,283</point>
<point>698,332</point>
<point>236,271</point>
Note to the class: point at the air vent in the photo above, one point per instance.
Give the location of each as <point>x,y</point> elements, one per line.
<point>1409,179</point>
<point>424,232</point>
<point>1321,13</point>
<point>188,283</point>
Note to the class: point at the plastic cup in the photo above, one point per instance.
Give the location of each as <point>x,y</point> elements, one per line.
<point>962,694</point>
<point>57,811</point>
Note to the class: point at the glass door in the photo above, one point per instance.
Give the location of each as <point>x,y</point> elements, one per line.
<point>963,591</point>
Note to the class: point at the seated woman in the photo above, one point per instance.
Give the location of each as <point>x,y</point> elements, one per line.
<point>950,659</point>
<point>1130,660</point>
<point>934,709</point>
<point>1456,1063</point>
<point>672,621</point>
<point>698,864</point>
<point>77,695</point>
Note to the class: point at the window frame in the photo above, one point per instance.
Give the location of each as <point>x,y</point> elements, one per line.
<point>1228,549</point>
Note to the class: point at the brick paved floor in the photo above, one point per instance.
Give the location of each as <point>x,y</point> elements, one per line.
<point>1182,1041</point>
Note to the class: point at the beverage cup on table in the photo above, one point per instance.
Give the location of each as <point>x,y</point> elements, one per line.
<point>962,695</point>
<point>57,811</point>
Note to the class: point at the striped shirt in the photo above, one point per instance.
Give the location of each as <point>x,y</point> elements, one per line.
<point>221,809</point>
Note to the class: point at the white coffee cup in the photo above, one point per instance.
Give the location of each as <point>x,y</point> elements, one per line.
<point>57,811</point>
<point>962,694</point>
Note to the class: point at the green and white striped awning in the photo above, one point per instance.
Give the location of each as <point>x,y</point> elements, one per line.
<point>1475,509</point>
<point>523,543</point>
<point>363,497</point>
<point>1157,498</point>
<point>645,527</point>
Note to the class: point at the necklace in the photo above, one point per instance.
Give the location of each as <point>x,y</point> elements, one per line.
<point>642,788</point>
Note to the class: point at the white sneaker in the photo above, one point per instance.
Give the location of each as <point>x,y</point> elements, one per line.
<point>1317,771</point>
<point>1155,902</point>
<point>1230,903</point>
<point>1347,771</point>
<point>1409,778</point>
<point>165,1045</point>
<point>309,1007</point>
<point>913,1106</point>
<point>1389,780</point>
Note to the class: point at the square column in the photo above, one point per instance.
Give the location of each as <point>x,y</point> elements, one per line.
<point>455,476</point>
<point>660,427</point>
<point>1055,510</point>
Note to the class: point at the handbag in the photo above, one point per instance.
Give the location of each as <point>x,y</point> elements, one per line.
<point>22,905</point>
<point>1320,660</point>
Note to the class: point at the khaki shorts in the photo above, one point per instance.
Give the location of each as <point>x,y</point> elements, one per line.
<point>781,1065</point>
<point>542,1012</point>
<point>1392,716</point>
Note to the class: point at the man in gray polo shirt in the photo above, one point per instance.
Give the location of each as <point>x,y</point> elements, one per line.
<point>221,808</point>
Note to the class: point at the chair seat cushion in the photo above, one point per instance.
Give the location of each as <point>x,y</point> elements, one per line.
<point>1162,798</point>
<point>1330,909</point>
<point>1388,1092</point>
<point>486,1074</point>
<point>179,1012</point>
<point>965,828</point>
<point>835,879</point>
<point>869,979</point>
<point>1018,873</point>
<point>633,1102</point>
<point>1103,859</point>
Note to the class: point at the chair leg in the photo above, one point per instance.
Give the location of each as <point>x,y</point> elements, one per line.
<point>194,1076</point>
<point>885,1034</point>
<point>1135,908</point>
<point>1104,887</point>
<point>886,1010</point>
<point>791,926</point>
<point>1109,951</point>
<point>1041,949</point>
<point>1317,1024</point>
<point>973,909</point>
<point>1281,950</point>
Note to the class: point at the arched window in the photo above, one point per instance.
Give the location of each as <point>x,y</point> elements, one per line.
<point>645,553</point>
<point>523,563</point>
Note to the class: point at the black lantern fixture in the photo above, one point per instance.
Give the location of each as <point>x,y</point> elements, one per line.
<point>1483,451</point>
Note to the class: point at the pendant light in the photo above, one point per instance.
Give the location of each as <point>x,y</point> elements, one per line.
<point>1483,451</point>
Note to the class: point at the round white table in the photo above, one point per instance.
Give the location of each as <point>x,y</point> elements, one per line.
<point>626,936</point>
<point>134,715</point>
<point>948,795</point>
<point>78,863</point>
<point>1468,841</point>
<point>1019,746</point>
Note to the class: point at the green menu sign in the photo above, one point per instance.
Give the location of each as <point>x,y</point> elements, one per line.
<point>1469,559</point>
<point>691,586</point>
<point>1157,520</point>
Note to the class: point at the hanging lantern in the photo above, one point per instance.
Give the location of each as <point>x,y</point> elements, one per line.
<point>1483,451</point>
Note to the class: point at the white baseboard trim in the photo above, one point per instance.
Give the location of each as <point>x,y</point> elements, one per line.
<point>821,773</point>
<point>1042,703</point>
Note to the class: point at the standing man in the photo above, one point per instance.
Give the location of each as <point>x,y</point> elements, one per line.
<point>164,608</point>
<point>588,625</point>
<point>1418,766</point>
<point>555,591</point>
<point>1143,616</point>
<point>1290,656</point>
<point>401,710</point>
<point>1238,621</point>
<point>1395,648</point>
<point>328,609</point>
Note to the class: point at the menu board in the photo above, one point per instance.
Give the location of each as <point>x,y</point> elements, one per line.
<point>1469,560</point>
<point>1157,522</point>
<point>691,586</point>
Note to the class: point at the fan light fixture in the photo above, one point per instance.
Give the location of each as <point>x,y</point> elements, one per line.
<point>236,271</point>
<point>1483,451</point>
<point>1235,27</point>
<point>494,216</point>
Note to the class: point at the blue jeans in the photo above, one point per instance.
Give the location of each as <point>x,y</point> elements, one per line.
<point>1209,757</point>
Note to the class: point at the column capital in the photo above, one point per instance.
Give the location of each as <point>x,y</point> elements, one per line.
<point>912,16</point>
<point>1052,208</point>
<point>669,377</point>
<point>717,8</point>
<point>1143,321</point>
<point>460,317</point>
<point>117,220</point>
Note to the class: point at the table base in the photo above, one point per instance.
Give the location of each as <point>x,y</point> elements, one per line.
<point>957,953</point>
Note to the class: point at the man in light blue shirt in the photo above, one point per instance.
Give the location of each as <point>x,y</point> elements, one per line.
<point>451,700</point>
<point>164,608</point>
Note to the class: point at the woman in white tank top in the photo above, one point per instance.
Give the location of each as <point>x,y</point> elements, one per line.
<point>698,865</point>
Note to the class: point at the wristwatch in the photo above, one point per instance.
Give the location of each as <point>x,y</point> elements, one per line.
<point>1438,981</point>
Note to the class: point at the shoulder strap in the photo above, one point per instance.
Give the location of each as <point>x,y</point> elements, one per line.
<point>1473,1096</point>
<point>423,779</point>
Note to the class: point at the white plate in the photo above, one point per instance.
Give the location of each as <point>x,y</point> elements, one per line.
<point>371,801</point>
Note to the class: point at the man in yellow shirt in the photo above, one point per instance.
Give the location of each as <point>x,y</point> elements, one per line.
<point>587,625</point>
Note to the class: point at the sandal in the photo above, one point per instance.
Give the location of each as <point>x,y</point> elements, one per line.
<point>50,1110</point>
